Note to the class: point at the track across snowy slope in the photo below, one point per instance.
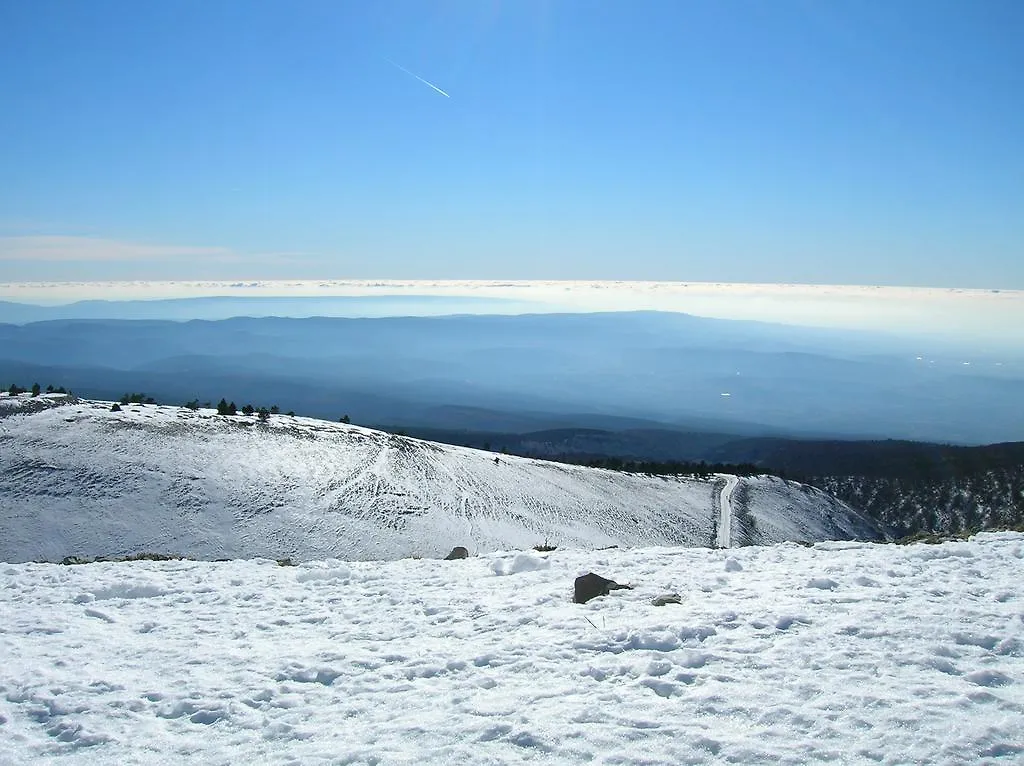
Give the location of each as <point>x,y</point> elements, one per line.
<point>80,480</point>
<point>724,537</point>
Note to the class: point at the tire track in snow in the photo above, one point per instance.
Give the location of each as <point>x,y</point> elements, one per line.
<point>724,539</point>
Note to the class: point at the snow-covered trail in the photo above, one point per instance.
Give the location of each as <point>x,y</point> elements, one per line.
<point>841,652</point>
<point>724,538</point>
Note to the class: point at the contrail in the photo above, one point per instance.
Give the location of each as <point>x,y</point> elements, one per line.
<point>413,74</point>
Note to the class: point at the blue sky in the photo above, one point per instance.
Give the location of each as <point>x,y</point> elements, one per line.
<point>820,142</point>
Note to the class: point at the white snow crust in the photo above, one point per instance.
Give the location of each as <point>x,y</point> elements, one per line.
<point>842,652</point>
<point>80,480</point>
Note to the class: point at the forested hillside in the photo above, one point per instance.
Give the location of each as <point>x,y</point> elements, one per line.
<point>990,498</point>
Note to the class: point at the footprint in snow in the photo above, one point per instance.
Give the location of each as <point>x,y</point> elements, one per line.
<point>822,583</point>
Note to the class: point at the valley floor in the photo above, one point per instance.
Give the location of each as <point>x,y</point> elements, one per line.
<point>849,652</point>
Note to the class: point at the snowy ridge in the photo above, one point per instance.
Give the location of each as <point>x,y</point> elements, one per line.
<point>842,652</point>
<point>80,480</point>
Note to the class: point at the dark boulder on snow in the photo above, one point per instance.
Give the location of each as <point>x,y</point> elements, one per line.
<point>458,552</point>
<point>592,585</point>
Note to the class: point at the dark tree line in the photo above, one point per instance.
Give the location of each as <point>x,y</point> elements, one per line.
<point>700,469</point>
<point>891,459</point>
<point>225,407</point>
<point>137,398</point>
<point>35,390</point>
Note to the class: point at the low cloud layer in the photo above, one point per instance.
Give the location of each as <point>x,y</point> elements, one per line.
<point>977,317</point>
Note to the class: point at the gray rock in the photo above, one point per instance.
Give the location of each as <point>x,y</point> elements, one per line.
<point>458,552</point>
<point>666,598</point>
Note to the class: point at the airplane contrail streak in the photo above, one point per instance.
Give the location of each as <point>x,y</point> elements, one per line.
<point>413,74</point>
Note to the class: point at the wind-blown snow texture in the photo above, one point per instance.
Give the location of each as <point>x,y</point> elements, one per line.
<point>79,480</point>
<point>845,652</point>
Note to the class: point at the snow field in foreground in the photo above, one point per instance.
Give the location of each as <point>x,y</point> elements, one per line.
<point>849,652</point>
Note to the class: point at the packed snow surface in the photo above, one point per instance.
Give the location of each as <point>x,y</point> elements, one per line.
<point>724,537</point>
<point>80,480</point>
<point>844,652</point>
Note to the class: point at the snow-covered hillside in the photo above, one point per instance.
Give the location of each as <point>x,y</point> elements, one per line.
<point>767,509</point>
<point>80,480</point>
<point>843,652</point>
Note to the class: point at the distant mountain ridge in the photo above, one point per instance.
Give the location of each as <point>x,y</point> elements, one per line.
<point>484,372</point>
<point>796,457</point>
<point>227,307</point>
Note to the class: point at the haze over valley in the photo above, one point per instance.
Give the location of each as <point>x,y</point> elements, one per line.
<point>527,372</point>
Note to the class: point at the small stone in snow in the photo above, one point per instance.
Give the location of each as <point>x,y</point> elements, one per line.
<point>823,583</point>
<point>666,598</point>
